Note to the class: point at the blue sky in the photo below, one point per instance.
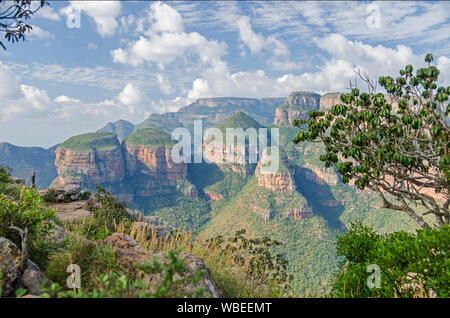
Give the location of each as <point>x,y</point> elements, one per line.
<point>130,59</point>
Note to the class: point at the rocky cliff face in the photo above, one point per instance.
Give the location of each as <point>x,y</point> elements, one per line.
<point>321,175</point>
<point>98,158</point>
<point>155,161</point>
<point>296,106</point>
<point>278,182</point>
<point>329,100</point>
<point>89,167</point>
<point>299,214</point>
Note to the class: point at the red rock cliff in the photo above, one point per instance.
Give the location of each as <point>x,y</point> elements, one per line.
<point>154,161</point>
<point>88,167</point>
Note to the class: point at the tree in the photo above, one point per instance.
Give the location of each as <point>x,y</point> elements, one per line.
<point>12,17</point>
<point>409,265</point>
<point>396,144</point>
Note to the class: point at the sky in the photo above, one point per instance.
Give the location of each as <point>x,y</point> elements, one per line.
<point>86,63</point>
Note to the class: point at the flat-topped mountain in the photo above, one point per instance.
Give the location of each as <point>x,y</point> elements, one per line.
<point>89,159</point>
<point>121,128</point>
<point>97,158</point>
<point>148,151</point>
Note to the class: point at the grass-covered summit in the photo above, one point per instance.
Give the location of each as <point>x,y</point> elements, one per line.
<point>150,137</point>
<point>238,120</point>
<point>91,141</point>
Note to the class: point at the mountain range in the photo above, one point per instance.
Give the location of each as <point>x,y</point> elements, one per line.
<point>303,205</point>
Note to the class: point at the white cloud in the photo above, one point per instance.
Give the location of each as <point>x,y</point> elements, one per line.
<point>165,41</point>
<point>164,84</point>
<point>66,99</point>
<point>48,13</point>
<point>9,89</point>
<point>334,75</point>
<point>104,13</point>
<point>39,33</point>
<point>164,18</point>
<point>254,41</point>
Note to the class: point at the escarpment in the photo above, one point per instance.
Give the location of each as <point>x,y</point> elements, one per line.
<point>329,100</point>
<point>97,158</point>
<point>219,151</point>
<point>296,106</point>
<point>148,151</point>
<point>278,179</point>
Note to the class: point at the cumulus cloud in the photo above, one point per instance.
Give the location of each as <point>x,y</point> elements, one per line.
<point>47,12</point>
<point>104,13</point>
<point>10,84</point>
<point>165,41</point>
<point>39,33</point>
<point>66,99</point>
<point>346,57</point>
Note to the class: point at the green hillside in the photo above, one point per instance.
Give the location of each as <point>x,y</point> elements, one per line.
<point>238,120</point>
<point>150,137</point>
<point>88,142</point>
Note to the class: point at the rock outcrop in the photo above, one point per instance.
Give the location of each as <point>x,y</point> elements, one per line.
<point>280,181</point>
<point>219,151</point>
<point>31,279</point>
<point>329,100</point>
<point>89,159</point>
<point>296,106</point>
<point>97,158</point>
<point>321,175</point>
<point>299,213</point>
<point>153,161</point>
<point>129,252</point>
<point>10,266</point>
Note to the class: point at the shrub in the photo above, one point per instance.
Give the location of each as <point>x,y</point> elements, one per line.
<point>411,265</point>
<point>5,173</point>
<point>28,213</point>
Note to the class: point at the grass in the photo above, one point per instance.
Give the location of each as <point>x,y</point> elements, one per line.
<point>150,137</point>
<point>232,278</point>
<point>106,141</point>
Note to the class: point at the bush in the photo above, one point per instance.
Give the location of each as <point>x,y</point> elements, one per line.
<point>5,173</point>
<point>111,212</point>
<point>411,265</point>
<point>29,213</point>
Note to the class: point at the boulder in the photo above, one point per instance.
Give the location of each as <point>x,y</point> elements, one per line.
<point>10,266</point>
<point>72,189</point>
<point>130,252</point>
<point>32,278</point>
<point>18,181</point>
